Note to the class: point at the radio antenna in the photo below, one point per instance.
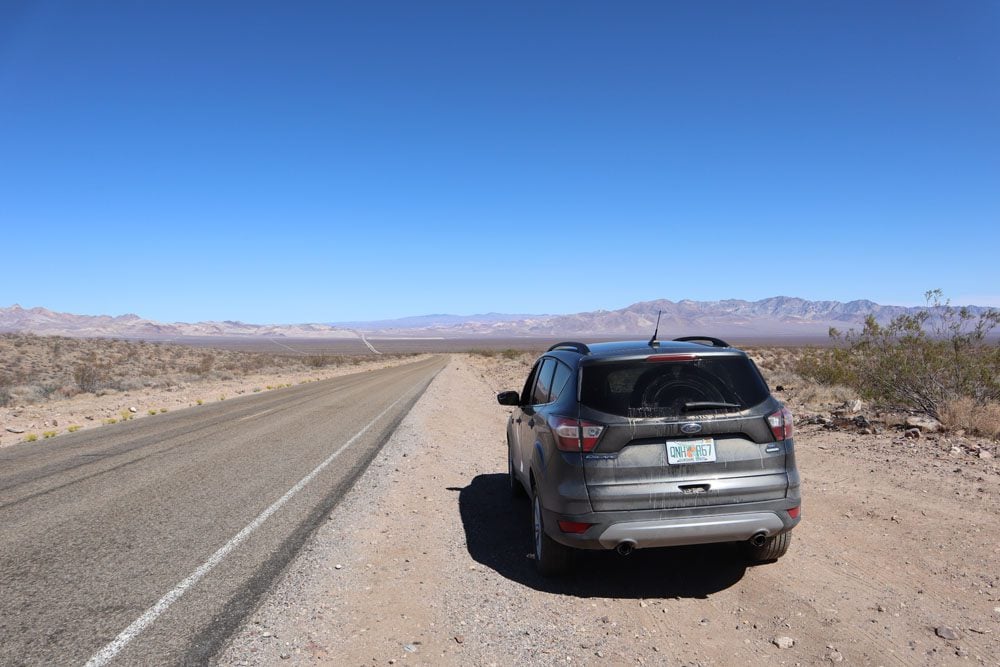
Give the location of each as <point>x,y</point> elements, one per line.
<point>656,332</point>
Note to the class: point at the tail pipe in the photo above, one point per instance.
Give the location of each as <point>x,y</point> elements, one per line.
<point>625,547</point>
<point>759,539</point>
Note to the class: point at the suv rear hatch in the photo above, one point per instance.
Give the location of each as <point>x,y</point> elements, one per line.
<point>680,430</point>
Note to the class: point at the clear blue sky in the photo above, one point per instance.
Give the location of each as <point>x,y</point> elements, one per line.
<point>294,161</point>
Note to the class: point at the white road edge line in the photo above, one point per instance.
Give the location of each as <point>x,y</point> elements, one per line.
<point>105,655</point>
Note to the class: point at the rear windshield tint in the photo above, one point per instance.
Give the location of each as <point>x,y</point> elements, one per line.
<point>641,388</point>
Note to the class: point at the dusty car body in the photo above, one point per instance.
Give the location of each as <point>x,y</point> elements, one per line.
<point>637,445</point>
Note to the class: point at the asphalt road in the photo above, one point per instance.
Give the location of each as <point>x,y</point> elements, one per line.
<point>147,542</point>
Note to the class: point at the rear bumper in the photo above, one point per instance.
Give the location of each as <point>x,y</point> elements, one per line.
<point>697,530</point>
<point>715,525</point>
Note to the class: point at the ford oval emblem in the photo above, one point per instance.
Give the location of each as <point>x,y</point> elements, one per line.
<point>691,428</point>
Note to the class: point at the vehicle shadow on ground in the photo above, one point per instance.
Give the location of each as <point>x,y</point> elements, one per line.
<point>498,535</point>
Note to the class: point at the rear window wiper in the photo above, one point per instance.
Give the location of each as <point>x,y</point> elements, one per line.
<point>709,405</point>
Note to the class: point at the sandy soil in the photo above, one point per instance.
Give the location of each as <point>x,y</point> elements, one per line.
<point>55,417</point>
<point>426,562</point>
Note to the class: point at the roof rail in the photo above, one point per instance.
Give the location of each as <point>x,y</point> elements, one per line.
<point>571,345</point>
<point>716,342</point>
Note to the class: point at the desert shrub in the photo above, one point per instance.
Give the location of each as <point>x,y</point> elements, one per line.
<point>977,418</point>
<point>320,360</point>
<point>825,395</point>
<point>49,434</point>
<point>920,362</point>
<point>45,391</point>
<point>206,363</point>
<point>73,428</point>
<point>130,384</point>
<point>68,391</point>
<point>827,366</point>
<point>31,437</point>
<point>88,377</point>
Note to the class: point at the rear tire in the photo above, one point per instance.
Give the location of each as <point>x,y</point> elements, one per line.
<point>516,488</point>
<point>551,558</point>
<point>773,548</point>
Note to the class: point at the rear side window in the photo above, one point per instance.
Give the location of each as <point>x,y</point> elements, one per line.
<point>543,383</point>
<point>640,388</point>
<point>559,380</point>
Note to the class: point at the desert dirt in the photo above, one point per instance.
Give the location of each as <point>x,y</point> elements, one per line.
<point>427,561</point>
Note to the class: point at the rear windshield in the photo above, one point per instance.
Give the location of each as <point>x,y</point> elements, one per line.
<point>641,388</point>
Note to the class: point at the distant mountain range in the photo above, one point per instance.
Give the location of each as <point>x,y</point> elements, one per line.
<point>779,316</point>
<point>45,321</point>
<point>774,317</point>
<point>432,321</point>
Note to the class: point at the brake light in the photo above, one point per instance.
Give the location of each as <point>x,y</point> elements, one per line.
<point>672,357</point>
<point>781,423</point>
<point>794,512</point>
<point>575,435</point>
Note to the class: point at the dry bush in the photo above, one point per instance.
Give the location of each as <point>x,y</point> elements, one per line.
<point>776,359</point>
<point>777,364</point>
<point>832,367</point>
<point>87,377</point>
<point>322,360</point>
<point>977,418</point>
<point>919,362</point>
<point>789,368</point>
<point>206,363</point>
<point>821,396</point>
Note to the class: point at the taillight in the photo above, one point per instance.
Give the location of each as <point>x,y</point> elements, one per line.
<point>781,423</point>
<point>794,512</point>
<point>575,435</point>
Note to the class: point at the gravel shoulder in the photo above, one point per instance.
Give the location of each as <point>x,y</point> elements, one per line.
<point>426,562</point>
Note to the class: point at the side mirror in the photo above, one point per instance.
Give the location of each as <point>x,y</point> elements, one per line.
<point>509,398</point>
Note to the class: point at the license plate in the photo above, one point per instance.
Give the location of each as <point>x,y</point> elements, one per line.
<point>691,451</point>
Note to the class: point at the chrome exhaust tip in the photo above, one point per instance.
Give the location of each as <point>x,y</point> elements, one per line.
<point>625,547</point>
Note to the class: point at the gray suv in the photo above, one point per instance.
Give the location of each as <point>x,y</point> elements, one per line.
<point>647,444</point>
